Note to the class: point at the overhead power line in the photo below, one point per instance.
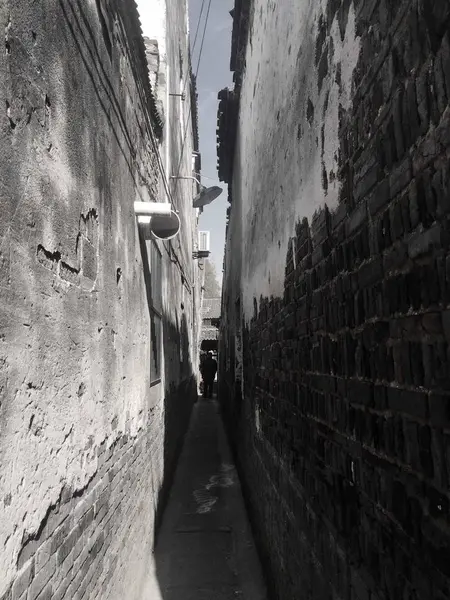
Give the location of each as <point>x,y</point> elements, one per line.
<point>198,25</point>
<point>154,143</point>
<point>203,37</point>
<point>190,104</point>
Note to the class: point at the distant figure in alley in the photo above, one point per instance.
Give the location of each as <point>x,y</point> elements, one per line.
<point>208,369</point>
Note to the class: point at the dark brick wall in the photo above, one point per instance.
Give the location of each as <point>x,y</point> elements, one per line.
<point>346,464</point>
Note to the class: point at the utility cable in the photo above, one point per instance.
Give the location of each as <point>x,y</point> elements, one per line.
<point>191,50</point>
<point>190,104</point>
<point>198,25</point>
<point>163,174</point>
<point>203,38</point>
<point>155,146</point>
<point>188,76</point>
<point>160,164</point>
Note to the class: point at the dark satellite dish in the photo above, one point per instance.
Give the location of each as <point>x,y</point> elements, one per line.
<point>165,227</point>
<point>206,196</point>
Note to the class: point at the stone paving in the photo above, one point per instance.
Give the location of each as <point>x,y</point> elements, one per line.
<point>205,549</point>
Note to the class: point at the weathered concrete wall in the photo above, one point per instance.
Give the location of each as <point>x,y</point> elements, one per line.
<point>339,211</point>
<point>86,444</point>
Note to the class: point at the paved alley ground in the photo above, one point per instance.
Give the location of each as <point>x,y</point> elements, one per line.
<point>205,549</point>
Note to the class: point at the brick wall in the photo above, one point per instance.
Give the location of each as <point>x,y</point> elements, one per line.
<point>88,438</point>
<point>78,550</point>
<point>343,430</point>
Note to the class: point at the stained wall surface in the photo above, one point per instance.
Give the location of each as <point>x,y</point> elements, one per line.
<point>335,370</point>
<point>93,400</point>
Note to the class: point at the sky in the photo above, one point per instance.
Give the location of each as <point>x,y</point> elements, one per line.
<point>213,75</point>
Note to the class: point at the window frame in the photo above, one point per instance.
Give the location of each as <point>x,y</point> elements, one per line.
<point>155,314</point>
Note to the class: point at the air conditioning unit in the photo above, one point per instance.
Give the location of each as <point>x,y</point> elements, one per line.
<point>203,241</point>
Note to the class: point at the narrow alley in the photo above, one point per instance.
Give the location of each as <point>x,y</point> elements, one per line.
<point>205,547</point>
<point>225,300</point>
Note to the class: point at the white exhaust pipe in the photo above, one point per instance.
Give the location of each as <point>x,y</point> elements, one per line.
<point>159,219</point>
<point>149,209</point>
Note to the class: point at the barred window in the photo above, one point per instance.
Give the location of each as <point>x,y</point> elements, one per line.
<point>156,277</point>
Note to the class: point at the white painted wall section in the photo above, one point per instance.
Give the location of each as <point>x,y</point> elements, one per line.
<point>285,147</point>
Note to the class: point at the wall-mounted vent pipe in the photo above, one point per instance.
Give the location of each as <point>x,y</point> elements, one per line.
<point>148,209</point>
<point>157,219</point>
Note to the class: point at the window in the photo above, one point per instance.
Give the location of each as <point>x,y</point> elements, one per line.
<point>155,365</point>
<point>155,314</point>
<point>156,277</point>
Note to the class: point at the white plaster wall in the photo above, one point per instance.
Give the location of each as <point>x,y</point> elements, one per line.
<point>153,21</point>
<point>153,16</point>
<point>280,155</point>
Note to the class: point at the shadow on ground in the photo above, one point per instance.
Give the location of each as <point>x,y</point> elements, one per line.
<point>205,549</point>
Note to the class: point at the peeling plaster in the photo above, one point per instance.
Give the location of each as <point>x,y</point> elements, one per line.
<point>288,134</point>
